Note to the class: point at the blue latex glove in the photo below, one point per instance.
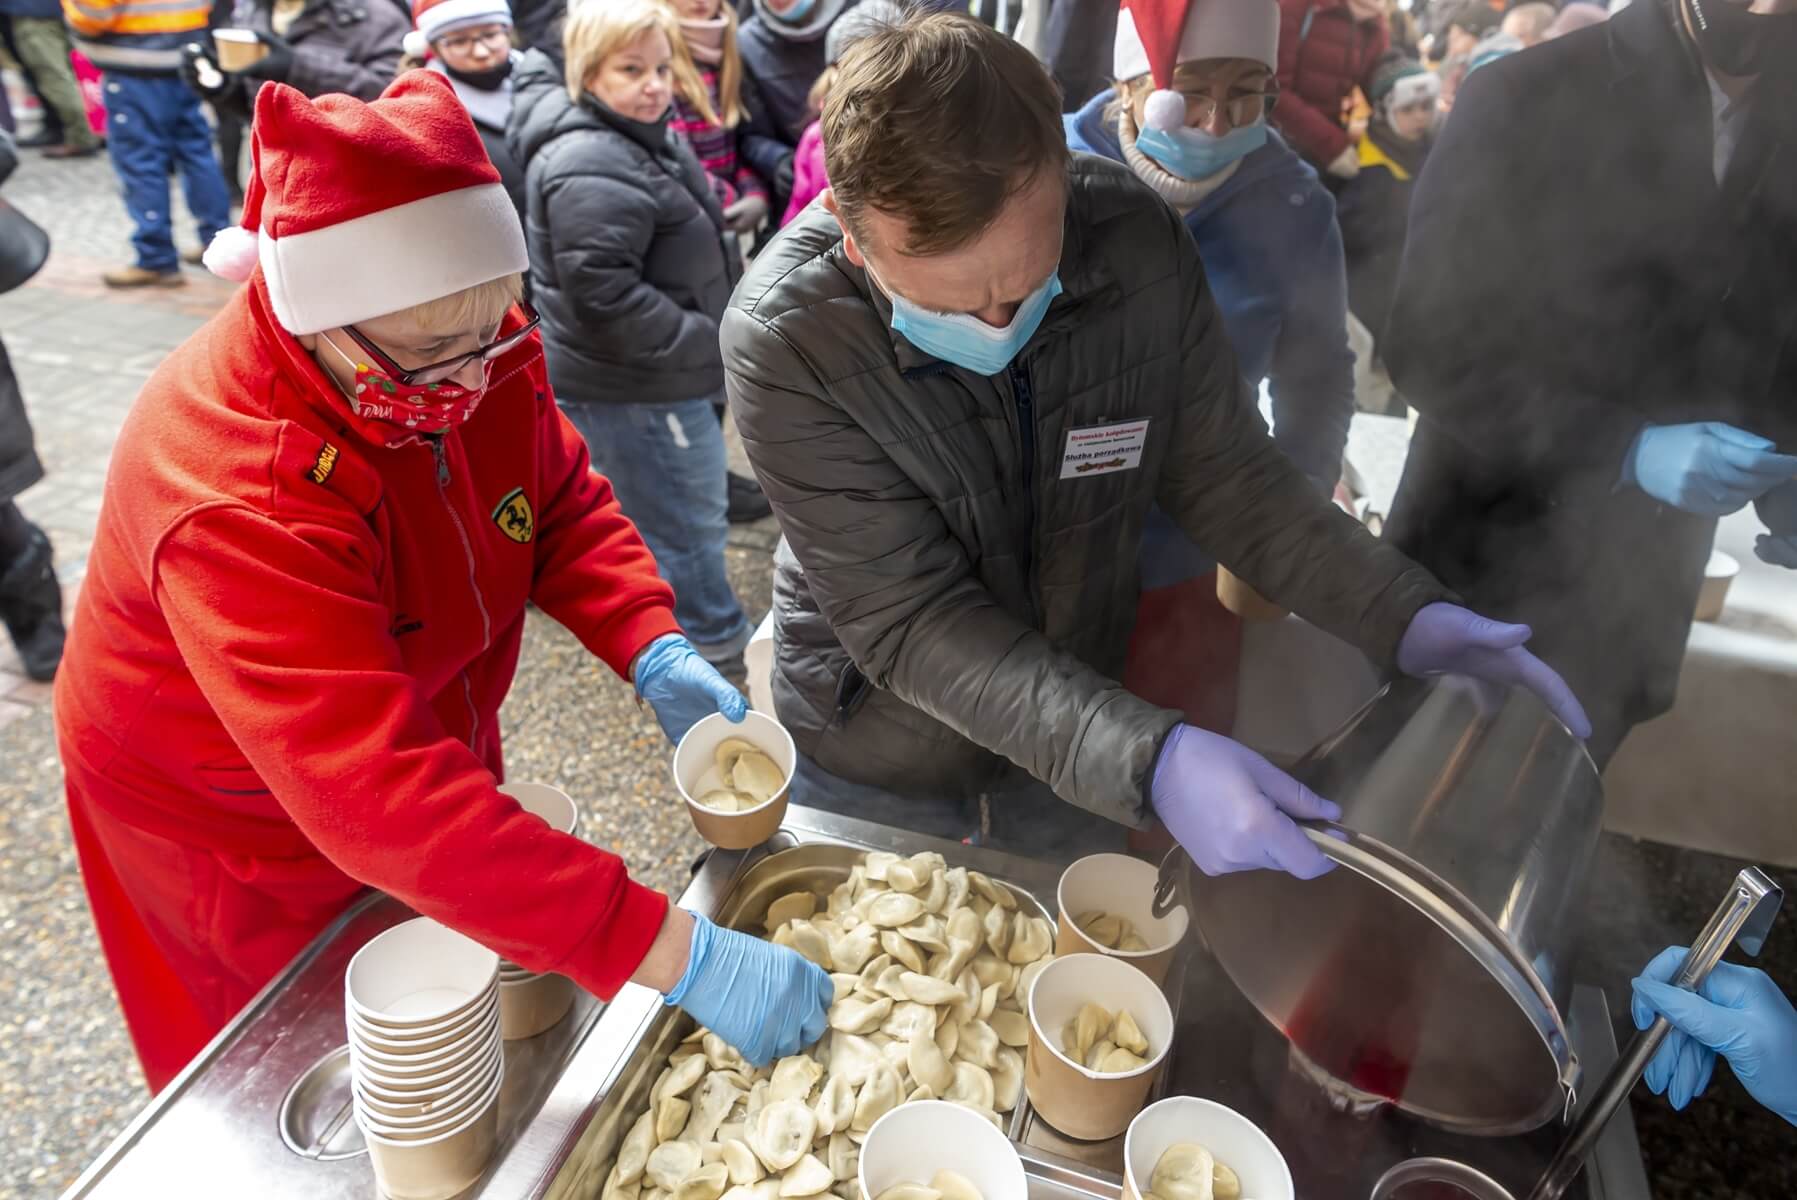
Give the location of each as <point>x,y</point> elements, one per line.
<point>1706,468</point>
<point>682,687</point>
<point>1445,638</point>
<point>1232,810</point>
<point>1740,1014</point>
<point>765,1000</point>
<point>1778,509</point>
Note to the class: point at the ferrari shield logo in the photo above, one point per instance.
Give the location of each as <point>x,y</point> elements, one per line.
<point>514,518</point>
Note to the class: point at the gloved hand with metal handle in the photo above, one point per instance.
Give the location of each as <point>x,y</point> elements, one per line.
<point>1445,638</point>
<point>1707,468</point>
<point>682,687</point>
<point>765,1000</point>
<point>1778,509</point>
<point>1738,1013</point>
<point>1233,810</point>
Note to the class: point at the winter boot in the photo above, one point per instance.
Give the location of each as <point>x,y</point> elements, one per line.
<point>31,606</point>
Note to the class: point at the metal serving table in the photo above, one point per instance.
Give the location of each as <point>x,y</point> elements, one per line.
<point>221,1130</point>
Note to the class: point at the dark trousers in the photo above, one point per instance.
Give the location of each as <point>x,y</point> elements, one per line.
<point>154,123</point>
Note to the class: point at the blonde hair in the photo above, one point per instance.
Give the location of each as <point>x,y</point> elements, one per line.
<point>479,307</point>
<point>730,77</point>
<point>598,29</point>
<point>820,92</point>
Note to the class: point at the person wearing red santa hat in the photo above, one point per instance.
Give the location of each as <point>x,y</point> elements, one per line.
<point>325,517</point>
<point>1189,118</point>
<point>470,41</point>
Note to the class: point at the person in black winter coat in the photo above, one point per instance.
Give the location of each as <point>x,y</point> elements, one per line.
<point>317,46</point>
<point>631,268</point>
<point>783,51</point>
<point>1595,322</point>
<point>30,596</point>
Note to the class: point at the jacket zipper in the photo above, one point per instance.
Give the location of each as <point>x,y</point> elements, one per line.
<point>1023,395</point>
<point>486,622</point>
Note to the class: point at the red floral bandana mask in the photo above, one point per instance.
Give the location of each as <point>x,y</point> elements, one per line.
<point>393,413</point>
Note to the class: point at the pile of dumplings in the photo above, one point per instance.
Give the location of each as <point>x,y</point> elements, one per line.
<point>1187,1171</point>
<point>1111,932</point>
<point>944,1185</point>
<point>931,967</point>
<point>1109,1045</point>
<point>750,778</point>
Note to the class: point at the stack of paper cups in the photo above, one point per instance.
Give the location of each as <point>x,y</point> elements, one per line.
<point>531,1002</point>
<point>426,1060</point>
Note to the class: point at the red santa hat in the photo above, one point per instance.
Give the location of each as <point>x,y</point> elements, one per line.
<point>434,18</point>
<point>1155,36</point>
<point>357,209</point>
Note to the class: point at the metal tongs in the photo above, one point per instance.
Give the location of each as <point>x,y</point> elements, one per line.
<point>1745,917</point>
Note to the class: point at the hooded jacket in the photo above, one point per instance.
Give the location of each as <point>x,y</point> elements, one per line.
<point>628,261</point>
<point>785,59</point>
<point>1325,52</point>
<point>292,644</point>
<point>960,593</point>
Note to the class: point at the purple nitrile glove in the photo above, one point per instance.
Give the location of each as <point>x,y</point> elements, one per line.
<point>1445,638</point>
<point>1232,810</point>
<point>1739,1013</point>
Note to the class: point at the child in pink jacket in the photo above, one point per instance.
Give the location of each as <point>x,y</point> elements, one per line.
<point>808,177</point>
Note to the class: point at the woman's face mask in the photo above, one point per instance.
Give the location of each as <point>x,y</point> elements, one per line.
<point>1194,154</point>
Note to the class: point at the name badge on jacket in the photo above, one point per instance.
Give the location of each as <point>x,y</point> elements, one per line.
<point>1101,449</point>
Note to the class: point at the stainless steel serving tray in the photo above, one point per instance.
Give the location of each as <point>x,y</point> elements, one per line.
<point>813,852</point>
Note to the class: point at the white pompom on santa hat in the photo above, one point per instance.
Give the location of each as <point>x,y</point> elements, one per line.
<point>1155,36</point>
<point>359,209</point>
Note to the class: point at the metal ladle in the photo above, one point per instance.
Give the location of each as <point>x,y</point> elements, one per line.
<point>1744,917</point>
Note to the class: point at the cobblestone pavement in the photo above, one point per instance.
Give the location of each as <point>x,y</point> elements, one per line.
<point>68,1078</point>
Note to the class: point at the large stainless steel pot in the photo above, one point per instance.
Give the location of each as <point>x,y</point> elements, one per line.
<point>1428,972</point>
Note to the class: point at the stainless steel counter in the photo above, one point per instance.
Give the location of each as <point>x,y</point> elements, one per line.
<point>217,1131</point>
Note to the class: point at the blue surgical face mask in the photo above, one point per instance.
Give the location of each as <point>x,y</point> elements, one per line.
<point>964,339</point>
<point>1194,154</point>
<point>798,12</point>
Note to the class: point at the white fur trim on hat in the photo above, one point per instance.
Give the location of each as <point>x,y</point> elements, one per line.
<point>445,16</point>
<point>1213,29</point>
<point>393,259</point>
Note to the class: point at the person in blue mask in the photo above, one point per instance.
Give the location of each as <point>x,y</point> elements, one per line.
<point>1266,230</point>
<point>964,376</point>
<point>1738,1013</point>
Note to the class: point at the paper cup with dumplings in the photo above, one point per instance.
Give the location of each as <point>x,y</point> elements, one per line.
<point>938,1150</point>
<point>1099,1034</point>
<point>734,777</point>
<point>1184,1148</point>
<point>1107,907</point>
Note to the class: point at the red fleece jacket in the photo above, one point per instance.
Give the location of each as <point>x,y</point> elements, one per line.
<point>294,642</point>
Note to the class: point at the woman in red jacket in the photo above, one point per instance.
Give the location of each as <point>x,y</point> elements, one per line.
<point>323,520</point>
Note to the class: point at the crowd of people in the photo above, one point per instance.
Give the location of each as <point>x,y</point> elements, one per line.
<point>992,319</point>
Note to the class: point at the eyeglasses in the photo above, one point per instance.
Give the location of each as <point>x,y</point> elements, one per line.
<point>437,372</point>
<point>1241,110</point>
<point>464,43</point>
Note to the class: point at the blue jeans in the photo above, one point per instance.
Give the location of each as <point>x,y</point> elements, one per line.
<point>154,122</point>
<point>666,464</point>
<point>1029,819</point>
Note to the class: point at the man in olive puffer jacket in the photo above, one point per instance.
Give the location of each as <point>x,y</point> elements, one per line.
<point>962,411</point>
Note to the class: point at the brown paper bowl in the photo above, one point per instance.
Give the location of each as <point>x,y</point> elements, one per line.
<point>1718,574</point>
<point>1123,886</point>
<point>437,1167</point>
<point>1084,1104</point>
<point>238,49</point>
<point>1244,601</point>
<point>695,773</point>
<point>531,1006</point>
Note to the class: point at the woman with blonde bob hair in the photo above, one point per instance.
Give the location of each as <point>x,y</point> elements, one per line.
<point>325,518</point>
<point>631,266</point>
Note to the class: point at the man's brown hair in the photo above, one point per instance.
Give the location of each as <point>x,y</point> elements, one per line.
<point>938,121</point>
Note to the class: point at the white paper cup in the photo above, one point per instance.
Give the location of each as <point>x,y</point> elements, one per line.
<point>1082,1103</point>
<point>696,772</point>
<point>554,806</point>
<point>914,1141</point>
<point>1233,1139</point>
<point>1124,887</point>
<point>408,1068</point>
<point>418,974</point>
<point>531,1006</point>
<point>439,1166</point>
<point>238,49</point>
<point>398,1088</point>
<point>426,1038</point>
